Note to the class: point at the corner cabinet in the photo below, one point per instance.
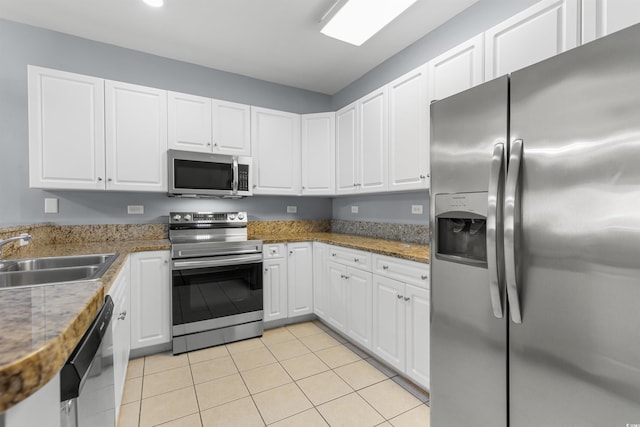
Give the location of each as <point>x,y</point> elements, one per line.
<point>603,17</point>
<point>275,147</point>
<point>120,291</point>
<point>108,126</point>
<point>300,278</point>
<point>66,115</point>
<point>208,125</point>
<point>318,154</point>
<point>150,299</point>
<point>409,132</point>
<point>347,137</point>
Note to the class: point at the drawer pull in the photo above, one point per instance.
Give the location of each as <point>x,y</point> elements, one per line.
<point>356,260</point>
<point>424,277</point>
<point>333,254</point>
<point>385,267</point>
<point>400,296</point>
<point>407,298</point>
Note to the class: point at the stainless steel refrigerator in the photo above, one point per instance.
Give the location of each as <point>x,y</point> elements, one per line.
<point>535,265</point>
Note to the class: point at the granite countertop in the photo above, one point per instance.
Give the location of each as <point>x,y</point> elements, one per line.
<point>409,251</point>
<point>43,324</point>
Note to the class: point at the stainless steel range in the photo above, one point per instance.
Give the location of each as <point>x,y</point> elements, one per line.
<point>216,280</point>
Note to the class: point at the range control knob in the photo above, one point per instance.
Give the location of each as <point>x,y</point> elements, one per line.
<point>176,217</point>
<point>187,217</point>
<point>240,216</point>
<point>232,216</point>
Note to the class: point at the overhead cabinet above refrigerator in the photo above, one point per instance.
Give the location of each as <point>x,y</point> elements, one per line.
<point>535,278</point>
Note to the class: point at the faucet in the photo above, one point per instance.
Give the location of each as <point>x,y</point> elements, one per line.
<point>25,237</point>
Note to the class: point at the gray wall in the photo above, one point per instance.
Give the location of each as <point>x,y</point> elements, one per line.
<point>471,22</point>
<point>394,208</point>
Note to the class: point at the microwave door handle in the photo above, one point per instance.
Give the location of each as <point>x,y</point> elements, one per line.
<point>234,184</point>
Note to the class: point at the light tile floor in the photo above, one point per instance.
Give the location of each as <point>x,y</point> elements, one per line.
<point>297,375</point>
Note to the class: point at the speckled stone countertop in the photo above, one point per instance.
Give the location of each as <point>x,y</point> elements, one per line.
<point>41,325</point>
<point>410,251</point>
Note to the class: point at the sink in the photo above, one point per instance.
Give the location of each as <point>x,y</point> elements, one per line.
<point>40,271</point>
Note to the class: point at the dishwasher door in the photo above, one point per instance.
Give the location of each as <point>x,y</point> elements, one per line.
<point>87,379</point>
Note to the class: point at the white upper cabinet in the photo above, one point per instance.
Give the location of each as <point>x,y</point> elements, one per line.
<point>189,122</point>
<point>373,147</point>
<point>66,130</point>
<point>602,17</point>
<point>347,131</point>
<point>209,125</point>
<point>136,129</point>
<point>231,128</point>
<point>275,146</point>
<point>318,154</point>
<point>457,69</point>
<point>539,32</point>
<point>409,132</point>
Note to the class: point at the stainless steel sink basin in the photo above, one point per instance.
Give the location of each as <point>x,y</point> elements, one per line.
<point>40,271</point>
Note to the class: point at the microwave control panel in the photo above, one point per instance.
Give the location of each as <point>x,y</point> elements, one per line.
<point>243,177</point>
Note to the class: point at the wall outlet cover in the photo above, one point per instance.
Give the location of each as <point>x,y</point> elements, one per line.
<point>135,209</point>
<point>354,209</point>
<point>292,209</point>
<point>416,209</point>
<point>50,205</point>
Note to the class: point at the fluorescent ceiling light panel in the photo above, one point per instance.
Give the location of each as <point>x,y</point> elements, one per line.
<point>154,3</point>
<point>358,20</point>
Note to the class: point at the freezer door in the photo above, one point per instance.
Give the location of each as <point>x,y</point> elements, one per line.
<point>468,340</point>
<point>575,358</point>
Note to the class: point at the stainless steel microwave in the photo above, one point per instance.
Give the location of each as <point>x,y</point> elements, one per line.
<point>193,174</point>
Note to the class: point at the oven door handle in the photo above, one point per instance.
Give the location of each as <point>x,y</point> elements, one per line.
<point>221,261</point>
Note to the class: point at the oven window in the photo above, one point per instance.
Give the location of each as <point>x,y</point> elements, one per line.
<point>190,174</point>
<point>209,293</point>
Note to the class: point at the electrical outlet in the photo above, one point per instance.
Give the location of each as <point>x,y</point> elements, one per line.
<point>50,205</point>
<point>135,209</point>
<point>292,209</point>
<point>354,209</point>
<point>416,209</point>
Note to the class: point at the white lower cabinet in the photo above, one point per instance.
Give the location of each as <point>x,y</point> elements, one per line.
<point>121,328</point>
<point>150,299</point>
<point>336,296</point>
<point>287,280</point>
<point>320,277</point>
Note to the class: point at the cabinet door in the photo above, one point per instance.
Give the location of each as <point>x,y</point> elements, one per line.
<point>136,129</point>
<point>360,304</point>
<point>275,289</point>
<point>66,130</point>
<point>409,132</point>
<point>457,69</point>
<point>320,279</point>
<point>300,279</point>
<point>602,17</point>
<point>189,122</point>
<point>417,334</point>
<point>150,299</point>
<point>231,128</point>
<point>318,154</point>
<point>121,327</point>
<point>347,131</point>
<point>336,302</point>
<point>539,32</point>
<point>275,144</point>
<point>373,151</point>
<point>389,321</point>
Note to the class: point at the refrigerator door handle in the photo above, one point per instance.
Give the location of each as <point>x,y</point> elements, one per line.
<point>495,179</point>
<point>510,204</point>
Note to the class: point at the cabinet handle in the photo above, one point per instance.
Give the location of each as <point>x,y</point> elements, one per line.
<point>266,270</point>
<point>304,188</point>
<point>290,252</point>
<point>346,277</point>
<point>109,179</point>
<point>356,260</point>
<point>255,185</point>
<point>424,277</point>
<point>399,296</point>
<point>385,267</point>
<point>355,185</point>
<point>208,144</point>
<point>166,261</point>
<point>99,178</point>
<point>333,254</point>
<point>407,298</point>
<point>215,145</point>
<point>428,175</point>
<point>422,176</point>
<point>122,315</point>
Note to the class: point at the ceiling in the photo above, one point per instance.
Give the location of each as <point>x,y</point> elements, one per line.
<point>273,40</point>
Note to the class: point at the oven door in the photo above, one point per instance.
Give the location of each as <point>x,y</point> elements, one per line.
<point>216,292</point>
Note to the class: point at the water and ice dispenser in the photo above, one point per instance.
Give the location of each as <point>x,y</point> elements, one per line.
<point>461,228</point>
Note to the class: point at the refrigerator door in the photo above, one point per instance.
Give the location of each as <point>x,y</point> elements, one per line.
<point>468,341</point>
<point>575,358</point>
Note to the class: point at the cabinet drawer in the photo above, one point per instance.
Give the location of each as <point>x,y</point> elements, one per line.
<point>350,257</point>
<point>415,273</point>
<point>274,250</point>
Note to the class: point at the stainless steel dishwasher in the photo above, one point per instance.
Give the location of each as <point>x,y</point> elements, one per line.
<point>87,393</point>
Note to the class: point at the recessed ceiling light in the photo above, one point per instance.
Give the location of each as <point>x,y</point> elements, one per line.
<point>358,20</point>
<point>154,3</point>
